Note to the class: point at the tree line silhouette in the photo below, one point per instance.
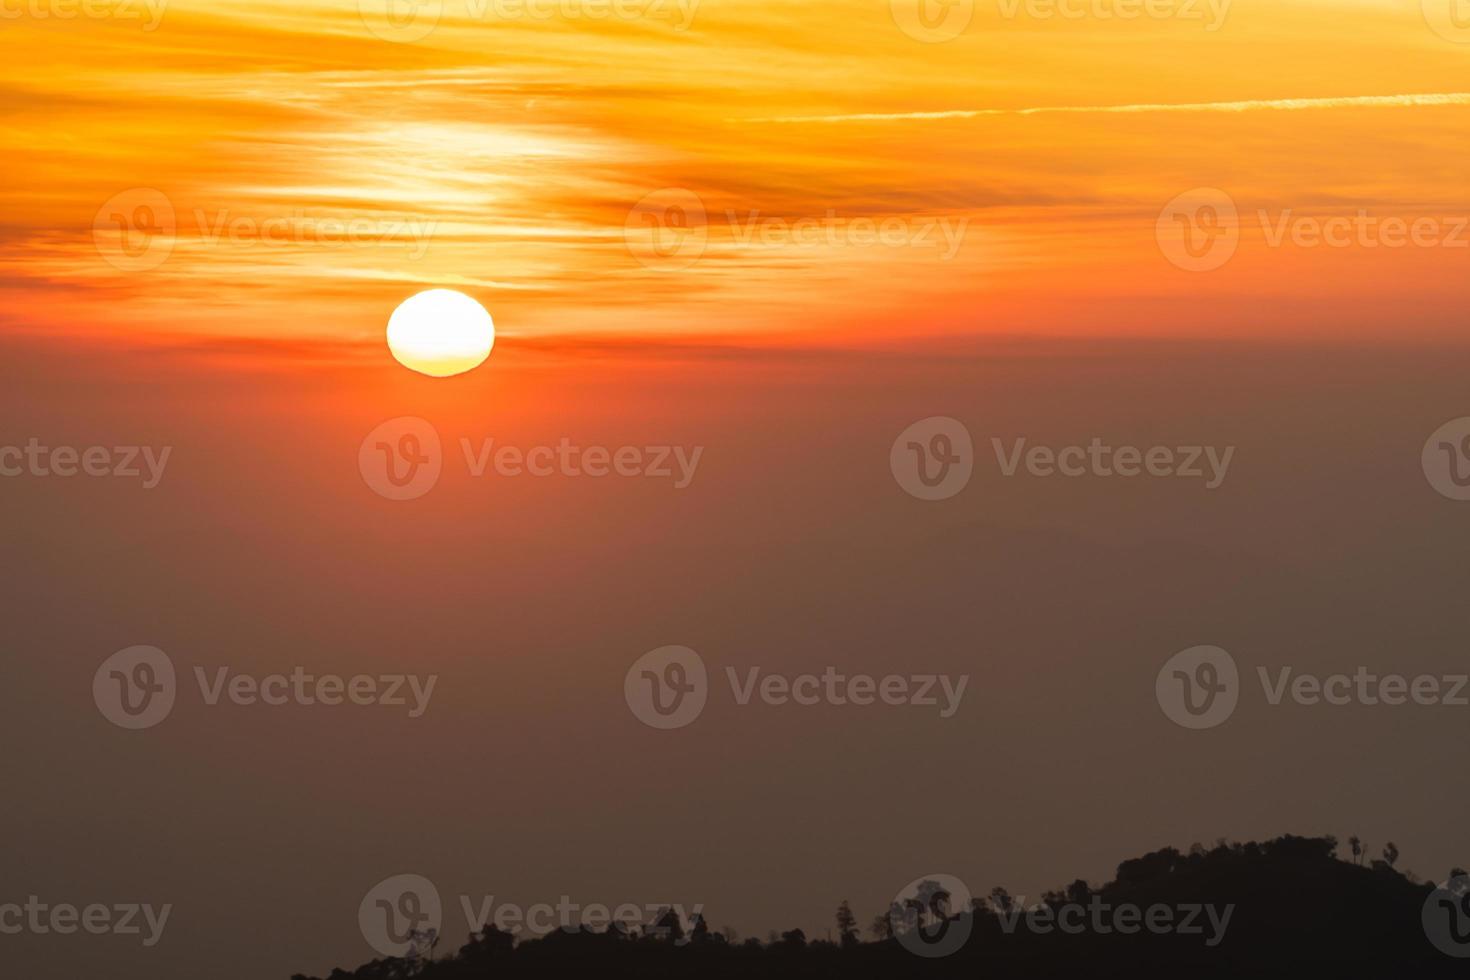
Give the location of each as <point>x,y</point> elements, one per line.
<point>1297,909</point>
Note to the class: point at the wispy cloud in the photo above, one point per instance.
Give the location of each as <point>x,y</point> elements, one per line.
<point>1249,105</point>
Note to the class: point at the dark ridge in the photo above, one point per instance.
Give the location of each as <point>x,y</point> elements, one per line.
<point>1296,909</point>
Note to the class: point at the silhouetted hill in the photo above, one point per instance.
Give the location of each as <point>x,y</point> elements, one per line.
<point>1284,908</point>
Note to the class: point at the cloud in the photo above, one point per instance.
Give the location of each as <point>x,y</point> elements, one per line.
<point>1250,105</point>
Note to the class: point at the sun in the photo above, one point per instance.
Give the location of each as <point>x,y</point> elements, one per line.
<point>440,333</point>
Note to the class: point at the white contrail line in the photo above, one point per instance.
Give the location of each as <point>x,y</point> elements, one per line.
<point>1249,105</point>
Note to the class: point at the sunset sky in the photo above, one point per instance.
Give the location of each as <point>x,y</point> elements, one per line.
<point>318,173</point>
<point>782,232</point>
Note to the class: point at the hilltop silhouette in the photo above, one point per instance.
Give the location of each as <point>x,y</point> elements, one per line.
<point>1295,909</point>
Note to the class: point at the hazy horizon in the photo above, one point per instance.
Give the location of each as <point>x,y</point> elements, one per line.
<point>1008,352</point>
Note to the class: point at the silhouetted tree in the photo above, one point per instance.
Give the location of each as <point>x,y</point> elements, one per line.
<point>666,926</point>
<point>487,945</point>
<point>794,939</point>
<point>847,927</point>
<point>1307,906</point>
<point>1357,846</point>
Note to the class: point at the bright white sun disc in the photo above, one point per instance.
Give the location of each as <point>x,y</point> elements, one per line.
<point>440,333</point>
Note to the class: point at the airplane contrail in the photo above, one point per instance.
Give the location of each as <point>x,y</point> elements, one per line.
<point>1248,105</point>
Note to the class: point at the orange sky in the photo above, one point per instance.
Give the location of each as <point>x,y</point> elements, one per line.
<point>317,173</point>
<point>306,175</point>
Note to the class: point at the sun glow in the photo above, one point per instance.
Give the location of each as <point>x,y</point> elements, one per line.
<point>440,333</point>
